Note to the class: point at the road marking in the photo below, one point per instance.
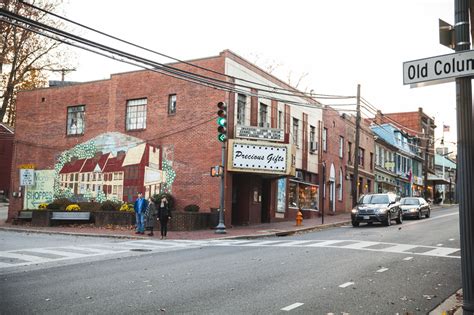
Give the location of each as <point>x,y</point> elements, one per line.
<point>451,239</point>
<point>408,258</point>
<point>439,244</point>
<point>345,285</point>
<point>325,243</point>
<point>399,248</point>
<point>360,245</point>
<point>292,306</point>
<point>443,251</point>
<point>382,270</point>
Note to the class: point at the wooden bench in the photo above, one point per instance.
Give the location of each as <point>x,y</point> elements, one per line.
<point>71,216</point>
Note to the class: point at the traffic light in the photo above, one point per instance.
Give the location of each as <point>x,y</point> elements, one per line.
<point>222,121</point>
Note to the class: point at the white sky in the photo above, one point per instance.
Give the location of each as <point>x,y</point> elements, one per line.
<point>339,43</point>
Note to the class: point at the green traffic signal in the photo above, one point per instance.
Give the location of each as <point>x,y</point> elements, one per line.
<point>221,137</point>
<point>222,121</point>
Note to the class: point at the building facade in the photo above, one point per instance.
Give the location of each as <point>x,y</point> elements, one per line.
<point>147,132</point>
<point>6,152</point>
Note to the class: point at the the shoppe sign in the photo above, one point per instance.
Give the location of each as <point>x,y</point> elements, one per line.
<point>251,132</point>
<point>257,157</point>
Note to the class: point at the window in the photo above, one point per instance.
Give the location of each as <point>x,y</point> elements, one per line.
<point>263,116</point>
<point>76,120</point>
<point>349,152</point>
<point>241,102</point>
<point>341,146</point>
<point>312,139</point>
<point>280,119</point>
<point>361,157</point>
<point>172,104</point>
<point>325,134</point>
<point>295,131</point>
<point>341,181</point>
<point>136,114</point>
<point>303,196</point>
<point>371,160</point>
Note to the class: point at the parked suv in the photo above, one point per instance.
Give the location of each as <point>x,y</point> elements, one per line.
<point>377,208</point>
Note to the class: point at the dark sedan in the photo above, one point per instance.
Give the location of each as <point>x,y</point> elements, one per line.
<point>415,207</point>
<point>377,208</point>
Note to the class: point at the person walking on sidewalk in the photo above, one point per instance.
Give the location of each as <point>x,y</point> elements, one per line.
<point>164,214</point>
<point>140,207</point>
<point>150,216</point>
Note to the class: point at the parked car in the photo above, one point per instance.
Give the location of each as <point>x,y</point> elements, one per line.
<point>415,207</point>
<point>381,208</point>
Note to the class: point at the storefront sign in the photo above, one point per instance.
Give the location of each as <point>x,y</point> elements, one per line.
<point>250,132</point>
<point>281,195</point>
<point>418,180</point>
<point>27,166</point>
<point>258,157</point>
<point>42,191</point>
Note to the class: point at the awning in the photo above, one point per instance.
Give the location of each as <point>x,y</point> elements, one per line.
<point>438,180</point>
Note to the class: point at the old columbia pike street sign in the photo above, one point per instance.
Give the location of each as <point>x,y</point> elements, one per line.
<point>443,68</point>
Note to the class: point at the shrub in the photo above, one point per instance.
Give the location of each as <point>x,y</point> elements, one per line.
<point>127,207</point>
<point>73,207</point>
<point>59,204</point>
<point>169,197</point>
<point>89,206</point>
<point>191,208</point>
<point>110,205</point>
<point>43,206</point>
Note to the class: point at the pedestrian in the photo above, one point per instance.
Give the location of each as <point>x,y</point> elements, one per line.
<point>150,216</point>
<point>164,214</point>
<point>140,207</point>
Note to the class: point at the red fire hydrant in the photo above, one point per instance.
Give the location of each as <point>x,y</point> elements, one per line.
<point>299,218</point>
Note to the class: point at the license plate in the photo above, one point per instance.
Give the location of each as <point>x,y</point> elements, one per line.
<point>366,217</point>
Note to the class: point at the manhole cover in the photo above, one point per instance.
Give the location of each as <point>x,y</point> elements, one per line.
<point>140,250</point>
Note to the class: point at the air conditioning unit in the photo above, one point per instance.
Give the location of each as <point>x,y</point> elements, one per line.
<point>299,175</point>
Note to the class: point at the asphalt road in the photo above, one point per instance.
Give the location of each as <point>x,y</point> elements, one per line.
<point>367,270</point>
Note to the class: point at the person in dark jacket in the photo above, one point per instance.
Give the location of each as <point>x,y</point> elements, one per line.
<point>164,214</point>
<point>150,216</point>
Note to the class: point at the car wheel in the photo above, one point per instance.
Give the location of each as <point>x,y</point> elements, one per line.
<point>400,218</point>
<point>355,223</point>
<point>420,215</point>
<point>388,221</point>
<point>427,215</point>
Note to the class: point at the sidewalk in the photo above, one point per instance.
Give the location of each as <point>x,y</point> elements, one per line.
<point>251,231</point>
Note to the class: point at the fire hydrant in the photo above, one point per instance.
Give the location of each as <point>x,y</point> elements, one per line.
<point>299,218</point>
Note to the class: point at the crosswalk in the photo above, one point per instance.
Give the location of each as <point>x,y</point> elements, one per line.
<point>35,256</point>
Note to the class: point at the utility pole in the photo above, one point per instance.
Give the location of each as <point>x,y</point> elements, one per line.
<point>356,151</point>
<point>425,181</point>
<point>465,135</point>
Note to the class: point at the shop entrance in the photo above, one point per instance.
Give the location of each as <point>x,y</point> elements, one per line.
<point>250,199</point>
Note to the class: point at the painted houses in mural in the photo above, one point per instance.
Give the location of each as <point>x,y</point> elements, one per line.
<point>151,132</point>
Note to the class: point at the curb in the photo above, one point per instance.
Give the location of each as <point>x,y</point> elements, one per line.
<point>247,236</point>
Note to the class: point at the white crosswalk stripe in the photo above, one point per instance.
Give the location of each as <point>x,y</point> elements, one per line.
<point>29,256</point>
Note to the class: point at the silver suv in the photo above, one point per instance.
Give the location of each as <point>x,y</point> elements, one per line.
<point>381,208</point>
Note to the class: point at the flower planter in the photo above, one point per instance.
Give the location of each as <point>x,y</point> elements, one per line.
<point>103,218</point>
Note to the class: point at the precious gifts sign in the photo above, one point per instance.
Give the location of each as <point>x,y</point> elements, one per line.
<point>259,157</point>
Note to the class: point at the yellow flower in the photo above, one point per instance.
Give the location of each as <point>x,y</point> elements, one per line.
<point>43,206</point>
<point>73,207</point>
<point>127,207</point>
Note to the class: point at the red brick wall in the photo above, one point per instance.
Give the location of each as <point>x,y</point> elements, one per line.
<point>336,127</point>
<point>192,131</point>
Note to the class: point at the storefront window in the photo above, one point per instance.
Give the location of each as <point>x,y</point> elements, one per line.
<point>303,196</point>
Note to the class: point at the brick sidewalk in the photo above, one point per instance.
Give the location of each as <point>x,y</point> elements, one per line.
<point>251,231</point>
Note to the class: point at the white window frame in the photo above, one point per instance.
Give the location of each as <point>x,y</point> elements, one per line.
<point>136,114</point>
<point>76,124</point>
<point>241,107</point>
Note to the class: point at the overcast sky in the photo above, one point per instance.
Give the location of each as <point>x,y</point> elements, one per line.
<point>338,43</point>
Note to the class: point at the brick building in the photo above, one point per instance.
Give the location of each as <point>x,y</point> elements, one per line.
<point>334,157</point>
<point>365,183</point>
<point>271,140</point>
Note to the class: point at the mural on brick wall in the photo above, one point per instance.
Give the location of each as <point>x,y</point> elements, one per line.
<point>111,166</point>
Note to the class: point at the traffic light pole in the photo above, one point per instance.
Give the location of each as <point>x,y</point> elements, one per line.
<point>465,157</point>
<point>220,228</point>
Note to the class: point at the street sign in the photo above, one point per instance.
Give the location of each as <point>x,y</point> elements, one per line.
<point>27,177</point>
<point>447,36</point>
<point>439,69</point>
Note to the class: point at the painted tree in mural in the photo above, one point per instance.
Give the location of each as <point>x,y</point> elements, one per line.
<point>25,57</point>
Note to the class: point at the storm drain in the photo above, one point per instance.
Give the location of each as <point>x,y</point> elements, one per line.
<point>140,250</point>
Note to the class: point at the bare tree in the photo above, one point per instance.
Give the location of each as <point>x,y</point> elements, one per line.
<point>25,56</point>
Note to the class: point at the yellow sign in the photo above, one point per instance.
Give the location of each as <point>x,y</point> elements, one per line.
<point>27,166</point>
